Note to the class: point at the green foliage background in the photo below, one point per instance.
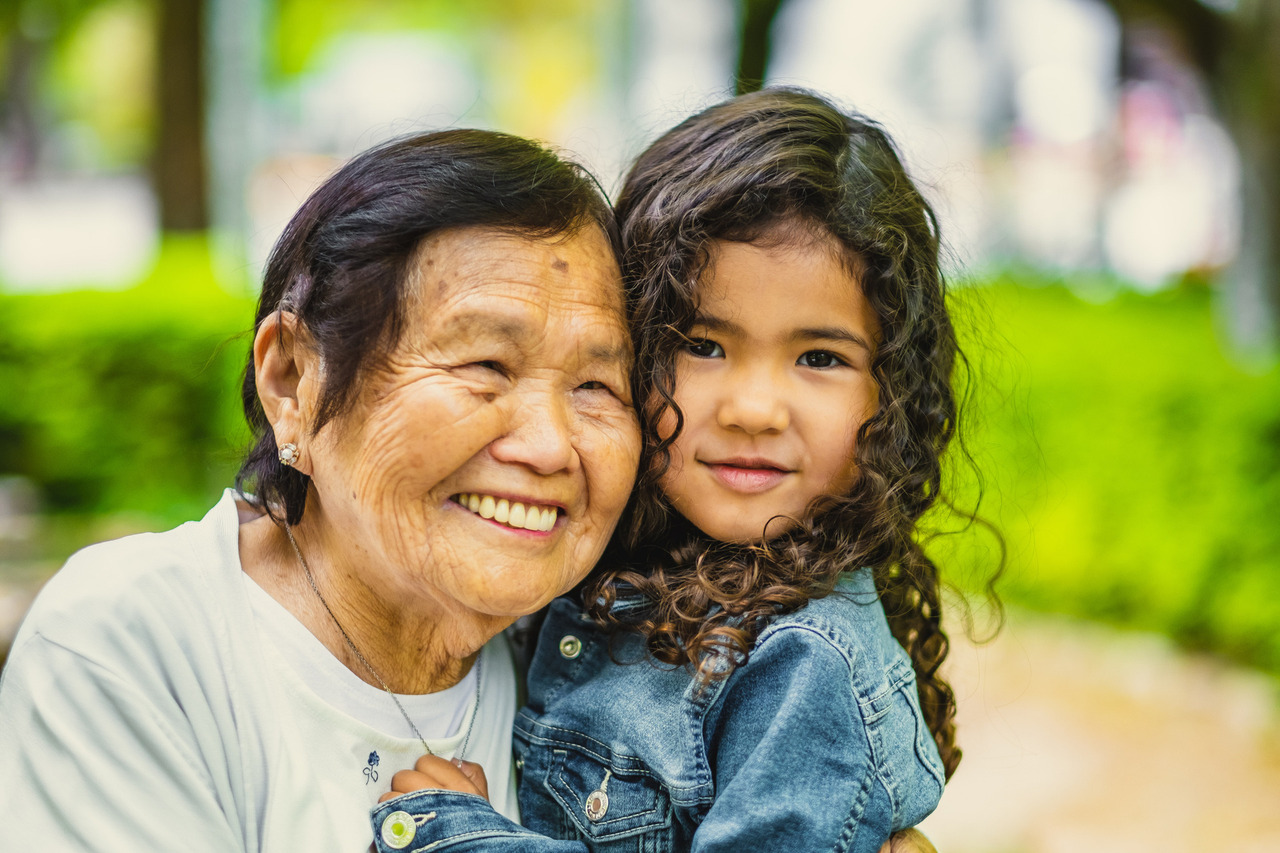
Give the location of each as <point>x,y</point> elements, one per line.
<point>125,403</point>
<point>1132,468</point>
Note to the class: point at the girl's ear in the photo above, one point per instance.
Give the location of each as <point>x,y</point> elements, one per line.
<point>287,373</point>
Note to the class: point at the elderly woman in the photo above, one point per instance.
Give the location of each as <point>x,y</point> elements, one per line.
<point>443,441</point>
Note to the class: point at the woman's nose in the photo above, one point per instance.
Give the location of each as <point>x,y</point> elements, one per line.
<point>753,403</point>
<point>540,436</point>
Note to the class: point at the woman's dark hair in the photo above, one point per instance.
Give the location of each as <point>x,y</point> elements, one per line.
<point>782,165</point>
<point>342,265</point>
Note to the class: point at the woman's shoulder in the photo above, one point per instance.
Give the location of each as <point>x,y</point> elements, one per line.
<point>127,583</point>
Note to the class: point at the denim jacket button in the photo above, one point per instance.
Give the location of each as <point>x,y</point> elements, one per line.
<point>570,646</point>
<point>398,830</point>
<point>597,805</point>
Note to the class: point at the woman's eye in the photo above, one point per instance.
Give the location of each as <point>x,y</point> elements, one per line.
<point>602,392</point>
<point>820,359</point>
<point>705,348</point>
<point>495,366</point>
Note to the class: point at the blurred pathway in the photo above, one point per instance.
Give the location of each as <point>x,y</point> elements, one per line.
<point>1080,738</point>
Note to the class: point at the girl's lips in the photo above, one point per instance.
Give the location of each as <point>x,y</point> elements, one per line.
<point>746,480</point>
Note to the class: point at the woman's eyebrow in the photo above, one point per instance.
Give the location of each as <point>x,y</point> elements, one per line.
<point>607,353</point>
<point>481,325</point>
<point>485,325</point>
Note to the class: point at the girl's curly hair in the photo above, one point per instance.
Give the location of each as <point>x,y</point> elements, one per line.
<point>751,169</point>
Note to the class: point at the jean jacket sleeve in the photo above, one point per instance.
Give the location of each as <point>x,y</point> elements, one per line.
<point>791,755</point>
<point>462,822</point>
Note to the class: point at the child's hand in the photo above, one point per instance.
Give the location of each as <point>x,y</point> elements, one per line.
<point>908,841</point>
<point>432,771</point>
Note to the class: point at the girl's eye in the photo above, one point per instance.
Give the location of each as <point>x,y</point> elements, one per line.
<point>705,348</point>
<point>820,359</point>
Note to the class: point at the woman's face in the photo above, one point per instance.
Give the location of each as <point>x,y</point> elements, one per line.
<point>510,387</point>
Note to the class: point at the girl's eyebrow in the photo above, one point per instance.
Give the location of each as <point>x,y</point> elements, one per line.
<point>830,333</point>
<point>816,333</point>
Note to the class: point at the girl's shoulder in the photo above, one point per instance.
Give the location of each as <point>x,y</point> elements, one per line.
<point>851,618</point>
<point>843,633</point>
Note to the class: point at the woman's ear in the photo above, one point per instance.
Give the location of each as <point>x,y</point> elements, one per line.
<point>287,373</point>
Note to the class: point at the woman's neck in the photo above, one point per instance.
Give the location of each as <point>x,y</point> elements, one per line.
<point>408,646</point>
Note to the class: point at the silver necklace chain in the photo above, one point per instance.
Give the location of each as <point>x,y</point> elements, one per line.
<point>466,740</point>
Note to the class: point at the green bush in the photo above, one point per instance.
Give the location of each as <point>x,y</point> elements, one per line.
<point>1133,469</point>
<point>125,401</point>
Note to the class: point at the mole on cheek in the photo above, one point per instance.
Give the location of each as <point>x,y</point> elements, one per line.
<point>559,265</point>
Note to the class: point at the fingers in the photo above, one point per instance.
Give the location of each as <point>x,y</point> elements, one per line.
<point>909,840</point>
<point>432,771</point>
<point>475,774</point>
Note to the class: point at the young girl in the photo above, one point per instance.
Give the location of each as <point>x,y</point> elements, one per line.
<point>794,355</point>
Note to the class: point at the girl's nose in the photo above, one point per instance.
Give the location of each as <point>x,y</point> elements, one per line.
<point>754,405</point>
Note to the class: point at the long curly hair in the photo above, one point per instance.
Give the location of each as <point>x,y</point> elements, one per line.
<point>749,169</point>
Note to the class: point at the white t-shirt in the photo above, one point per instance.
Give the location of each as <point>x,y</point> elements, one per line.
<point>144,707</point>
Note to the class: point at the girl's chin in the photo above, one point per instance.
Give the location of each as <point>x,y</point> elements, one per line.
<point>738,532</point>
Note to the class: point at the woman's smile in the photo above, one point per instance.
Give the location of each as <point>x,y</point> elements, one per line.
<point>525,516</point>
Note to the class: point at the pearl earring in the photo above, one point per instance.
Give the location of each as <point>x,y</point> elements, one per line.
<point>288,454</point>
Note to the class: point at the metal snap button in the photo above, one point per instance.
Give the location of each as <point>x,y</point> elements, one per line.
<point>570,646</point>
<point>519,764</point>
<point>398,830</point>
<point>597,804</point>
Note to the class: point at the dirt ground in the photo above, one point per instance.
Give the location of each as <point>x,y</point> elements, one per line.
<point>1081,738</point>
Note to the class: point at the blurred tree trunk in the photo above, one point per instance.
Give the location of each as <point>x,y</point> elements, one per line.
<point>1238,52</point>
<point>754,43</point>
<point>179,165</point>
<point>21,130</point>
<point>1247,91</point>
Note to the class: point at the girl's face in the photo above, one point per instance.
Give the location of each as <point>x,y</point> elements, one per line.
<point>773,387</point>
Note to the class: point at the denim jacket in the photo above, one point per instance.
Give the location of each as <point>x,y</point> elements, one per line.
<point>816,743</point>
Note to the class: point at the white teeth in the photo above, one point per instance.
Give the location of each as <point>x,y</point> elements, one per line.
<point>511,513</point>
